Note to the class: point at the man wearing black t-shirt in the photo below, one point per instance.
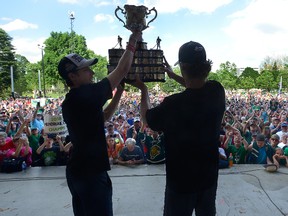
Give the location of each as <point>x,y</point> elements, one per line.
<point>87,167</point>
<point>192,151</point>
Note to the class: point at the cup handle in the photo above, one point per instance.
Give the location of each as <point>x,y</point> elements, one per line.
<point>153,9</point>
<point>122,11</point>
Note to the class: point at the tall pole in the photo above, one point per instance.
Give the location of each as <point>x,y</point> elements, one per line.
<point>39,83</point>
<point>43,71</point>
<point>72,18</point>
<point>12,81</point>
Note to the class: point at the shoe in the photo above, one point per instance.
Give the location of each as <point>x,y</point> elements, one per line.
<point>270,167</point>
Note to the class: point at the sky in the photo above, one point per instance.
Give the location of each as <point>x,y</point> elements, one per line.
<point>244,32</point>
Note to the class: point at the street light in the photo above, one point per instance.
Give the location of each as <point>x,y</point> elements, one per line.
<point>43,72</point>
<point>72,18</point>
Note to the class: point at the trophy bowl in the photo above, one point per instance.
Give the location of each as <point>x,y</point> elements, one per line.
<point>135,17</point>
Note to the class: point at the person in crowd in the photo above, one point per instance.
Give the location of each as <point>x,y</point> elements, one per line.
<point>13,125</point>
<point>131,154</point>
<point>274,141</point>
<point>6,144</point>
<point>260,152</point>
<point>253,129</point>
<point>267,133</point>
<point>153,142</point>
<point>283,141</point>
<point>223,160</point>
<point>114,149</point>
<point>275,125</point>
<point>123,129</point>
<point>50,153</point>
<point>4,119</point>
<point>284,130</point>
<point>21,150</point>
<point>113,133</point>
<point>190,185</point>
<point>279,158</point>
<point>86,170</point>
<point>238,149</point>
<point>37,119</point>
<point>133,132</point>
<point>34,139</point>
<point>130,118</point>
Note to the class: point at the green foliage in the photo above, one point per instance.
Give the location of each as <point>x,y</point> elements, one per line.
<point>247,82</point>
<point>59,45</point>
<point>266,80</point>
<point>227,74</point>
<point>7,59</point>
<point>171,85</point>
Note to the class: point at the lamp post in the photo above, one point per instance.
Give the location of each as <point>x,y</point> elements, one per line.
<point>72,18</point>
<point>43,72</point>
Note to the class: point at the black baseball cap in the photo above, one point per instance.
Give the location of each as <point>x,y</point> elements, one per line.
<point>192,53</point>
<point>73,62</point>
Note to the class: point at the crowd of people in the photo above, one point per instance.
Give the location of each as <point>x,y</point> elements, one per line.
<point>250,119</point>
<point>203,121</point>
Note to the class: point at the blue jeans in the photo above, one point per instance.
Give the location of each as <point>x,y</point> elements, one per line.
<point>183,204</point>
<point>91,196</point>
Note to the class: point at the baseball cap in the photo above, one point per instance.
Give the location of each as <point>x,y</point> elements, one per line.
<point>51,136</point>
<point>284,124</point>
<point>192,53</point>
<point>275,136</point>
<point>136,119</point>
<point>73,62</point>
<point>260,137</point>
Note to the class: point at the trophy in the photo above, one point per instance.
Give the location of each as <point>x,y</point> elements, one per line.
<point>148,64</point>
<point>135,17</point>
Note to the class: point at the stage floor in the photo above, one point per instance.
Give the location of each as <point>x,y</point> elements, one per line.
<point>139,191</point>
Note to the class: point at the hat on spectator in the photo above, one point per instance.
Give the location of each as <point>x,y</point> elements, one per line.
<point>284,124</point>
<point>51,136</point>
<point>260,137</point>
<point>136,119</point>
<point>73,62</point>
<point>254,134</point>
<point>275,136</point>
<point>192,53</point>
<point>34,128</point>
<point>110,124</point>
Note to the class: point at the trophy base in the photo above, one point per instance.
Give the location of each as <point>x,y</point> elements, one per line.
<point>147,64</point>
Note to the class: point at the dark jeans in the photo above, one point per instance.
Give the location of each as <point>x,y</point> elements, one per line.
<point>183,204</point>
<point>91,196</point>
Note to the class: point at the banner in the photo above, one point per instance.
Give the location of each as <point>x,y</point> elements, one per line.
<point>54,124</point>
<point>41,100</point>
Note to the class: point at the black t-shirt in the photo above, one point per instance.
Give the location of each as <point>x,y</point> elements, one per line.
<point>83,113</point>
<point>191,122</point>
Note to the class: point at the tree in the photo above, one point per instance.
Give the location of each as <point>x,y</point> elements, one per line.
<point>227,75</point>
<point>21,80</point>
<point>58,45</point>
<point>247,83</point>
<point>249,72</point>
<point>265,80</point>
<point>7,59</point>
